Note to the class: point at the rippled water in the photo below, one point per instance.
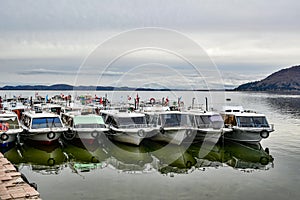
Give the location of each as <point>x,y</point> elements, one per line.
<point>225,170</point>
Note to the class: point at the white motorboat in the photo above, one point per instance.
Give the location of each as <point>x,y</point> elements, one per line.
<point>15,106</point>
<point>245,126</point>
<point>84,126</point>
<point>9,127</point>
<point>49,107</point>
<point>208,124</point>
<point>42,126</point>
<point>173,126</point>
<point>128,127</point>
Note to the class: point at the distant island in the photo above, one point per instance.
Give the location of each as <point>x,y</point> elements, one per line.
<point>64,87</point>
<point>283,81</point>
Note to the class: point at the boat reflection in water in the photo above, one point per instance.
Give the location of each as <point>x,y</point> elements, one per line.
<point>233,154</point>
<point>170,157</point>
<point>150,156</point>
<point>128,158</point>
<point>84,157</point>
<point>13,154</point>
<point>48,159</point>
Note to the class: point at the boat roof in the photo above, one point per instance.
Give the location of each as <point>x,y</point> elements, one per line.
<point>50,105</point>
<point>14,105</point>
<point>88,119</point>
<point>233,109</point>
<point>249,114</point>
<point>117,113</point>
<point>7,114</point>
<point>169,113</point>
<point>33,114</point>
<point>156,108</point>
<point>202,112</point>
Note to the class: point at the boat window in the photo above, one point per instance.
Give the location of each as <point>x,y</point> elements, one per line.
<point>192,120</point>
<point>171,120</point>
<point>216,121</point>
<point>131,120</point>
<point>245,121</point>
<point>9,123</point>
<point>151,119</point>
<point>252,122</point>
<point>229,120</point>
<point>111,121</point>
<point>260,122</point>
<point>200,123</point>
<point>49,122</point>
<point>89,126</point>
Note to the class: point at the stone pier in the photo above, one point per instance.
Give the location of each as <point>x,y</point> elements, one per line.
<point>12,186</point>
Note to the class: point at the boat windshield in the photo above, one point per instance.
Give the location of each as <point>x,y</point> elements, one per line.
<point>131,120</point>
<point>175,119</point>
<point>256,122</point>
<point>47,122</point>
<point>8,123</point>
<point>206,121</point>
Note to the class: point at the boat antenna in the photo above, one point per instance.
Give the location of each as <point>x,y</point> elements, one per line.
<point>193,102</point>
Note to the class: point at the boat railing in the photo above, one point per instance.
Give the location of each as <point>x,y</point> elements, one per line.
<point>129,126</point>
<point>89,126</point>
<point>204,126</point>
<point>254,125</point>
<point>10,126</point>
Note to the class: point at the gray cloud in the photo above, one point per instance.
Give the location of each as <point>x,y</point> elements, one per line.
<point>41,71</point>
<point>114,14</point>
<point>41,40</point>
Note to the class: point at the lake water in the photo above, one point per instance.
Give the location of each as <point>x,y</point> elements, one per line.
<point>226,170</point>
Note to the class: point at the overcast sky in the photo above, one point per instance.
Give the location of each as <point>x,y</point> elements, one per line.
<point>71,41</point>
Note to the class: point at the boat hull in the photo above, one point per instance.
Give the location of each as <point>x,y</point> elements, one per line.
<point>173,136</point>
<point>45,136</point>
<point>131,136</point>
<point>211,135</point>
<point>9,136</point>
<point>84,133</point>
<point>247,135</point>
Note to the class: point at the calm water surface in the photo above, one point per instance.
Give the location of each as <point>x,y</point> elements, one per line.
<point>224,170</point>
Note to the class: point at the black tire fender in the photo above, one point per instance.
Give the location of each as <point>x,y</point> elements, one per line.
<point>264,134</point>
<point>162,130</point>
<point>51,135</point>
<point>141,133</point>
<point>4,136</point>
<point>264,160</point>
<point>51,162</point>
<point>69,135</point>
<point>95,134</point>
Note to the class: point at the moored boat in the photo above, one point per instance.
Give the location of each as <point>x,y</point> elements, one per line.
<point>245,126</point>
<point>83,126</point>
<point>9,127</point>
<point>173,126</point>
<point>128,127</point>
<point>42,126</point>
<point>208,124</point>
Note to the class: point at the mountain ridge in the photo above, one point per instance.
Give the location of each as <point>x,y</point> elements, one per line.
<point>284,80</point>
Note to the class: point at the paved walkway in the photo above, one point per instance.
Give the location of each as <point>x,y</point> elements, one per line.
<point>12,186</point>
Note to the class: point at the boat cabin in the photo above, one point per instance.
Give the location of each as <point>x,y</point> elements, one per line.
<point>244,118</point>
<point>33,120</point>
<point>76,120</point>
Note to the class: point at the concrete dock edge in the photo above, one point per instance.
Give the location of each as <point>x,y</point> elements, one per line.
<point>12,186</point>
